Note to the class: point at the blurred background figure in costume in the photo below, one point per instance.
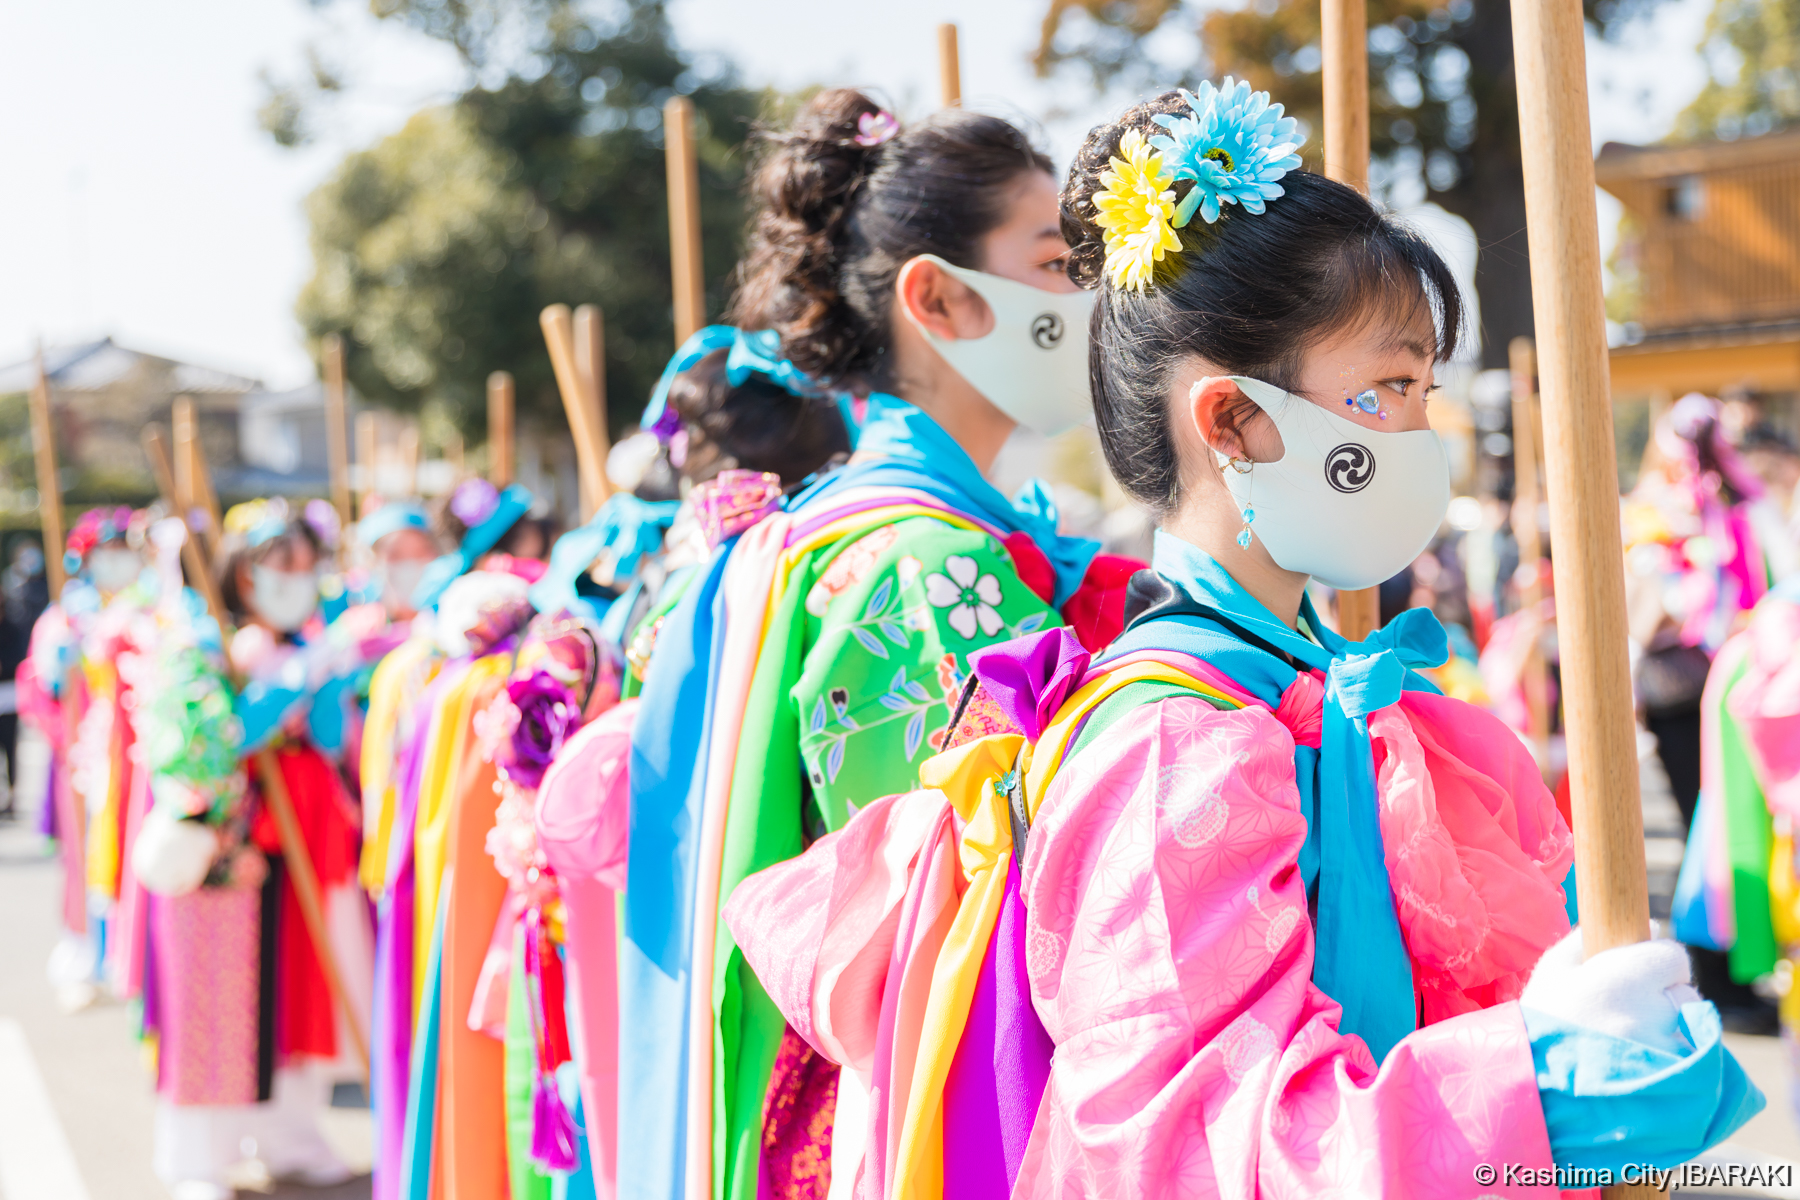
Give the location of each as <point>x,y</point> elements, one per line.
<point>71,688</point>
<point>1170,919</point>
<point>1695,565</point>
<point>263,1087</point>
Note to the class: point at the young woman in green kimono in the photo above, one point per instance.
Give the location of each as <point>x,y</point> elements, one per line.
<point>814,663</point>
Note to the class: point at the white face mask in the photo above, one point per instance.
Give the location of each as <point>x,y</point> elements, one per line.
<point>1033,365</point>
<point>1349,506</point>
<point>398,579</point>
<point>285,599</point>
<point>113,569</point>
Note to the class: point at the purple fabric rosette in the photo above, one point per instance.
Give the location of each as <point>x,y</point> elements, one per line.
<point>548,715</point>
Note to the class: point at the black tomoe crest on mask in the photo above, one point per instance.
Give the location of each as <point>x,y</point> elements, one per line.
<point>1349,467</point>
<point>1047,330</point>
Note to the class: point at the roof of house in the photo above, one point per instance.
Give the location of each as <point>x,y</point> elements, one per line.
<point>92,366</point>
<point>1620,164</point>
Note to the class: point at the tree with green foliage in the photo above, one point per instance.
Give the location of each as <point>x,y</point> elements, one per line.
<point>1444,120</point>
<point>543,181</point>
<point>1754,49</point>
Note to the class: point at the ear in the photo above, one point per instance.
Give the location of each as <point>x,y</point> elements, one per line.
<point>1208,401</point>
<point>942,304</point>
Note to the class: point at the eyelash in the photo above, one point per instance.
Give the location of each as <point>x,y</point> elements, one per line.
<point>1402,384</point>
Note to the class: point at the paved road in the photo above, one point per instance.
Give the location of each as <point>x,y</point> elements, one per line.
<point>92,1074</point>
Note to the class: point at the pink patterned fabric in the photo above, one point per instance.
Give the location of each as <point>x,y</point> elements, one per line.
<point>1170,958</point>
<point>1476,851</point>
<point>584,828</point>
<point>1766,702</point>
<point>208,944</point>
<point>734,500</point>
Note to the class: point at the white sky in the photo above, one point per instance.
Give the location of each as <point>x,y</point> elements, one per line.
<point>139,199</point>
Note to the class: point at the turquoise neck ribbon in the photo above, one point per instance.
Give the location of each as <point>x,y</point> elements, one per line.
<point>1360,959</point>
<point>916,452</point>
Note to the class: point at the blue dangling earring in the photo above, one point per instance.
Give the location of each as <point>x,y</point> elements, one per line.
<point>1249,513</point>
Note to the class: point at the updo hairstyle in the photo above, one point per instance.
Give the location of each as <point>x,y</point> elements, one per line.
<point>835,221</point>
<point>757,425</point>
<point>1249,293</point>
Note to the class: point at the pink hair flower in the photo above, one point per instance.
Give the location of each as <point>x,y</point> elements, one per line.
<point>872,129</point>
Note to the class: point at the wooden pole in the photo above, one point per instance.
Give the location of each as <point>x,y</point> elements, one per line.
<point>337,433</point>
<point>407,451</point>
<point>590,368</point>
<point>1345,42</point>
<point>1527,495</point>
<point>590,460</point>
<point>500,430</point>
<point>306,889</point>
<point>949,65</point>
<point>183,433</point>
<point>684,217</point>
<point>368,449</point>
<point>1581,474</point>
<point>43,450</point>
<point>275,794</point>
<point>453,454</point>
<point>199,571</point>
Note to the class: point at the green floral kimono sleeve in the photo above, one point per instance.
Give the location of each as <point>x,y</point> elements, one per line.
<point>865,652</point>
<point>891,619</point>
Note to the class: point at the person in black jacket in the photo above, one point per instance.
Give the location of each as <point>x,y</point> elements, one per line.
<point>24,594</point>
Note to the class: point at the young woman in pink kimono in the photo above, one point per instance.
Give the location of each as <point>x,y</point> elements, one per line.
<point>1236,908</point>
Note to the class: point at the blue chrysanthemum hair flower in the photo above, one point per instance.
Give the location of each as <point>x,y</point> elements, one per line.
<point>1235,146</point>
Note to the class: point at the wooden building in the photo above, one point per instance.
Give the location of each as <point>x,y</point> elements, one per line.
<point>1714,233</point>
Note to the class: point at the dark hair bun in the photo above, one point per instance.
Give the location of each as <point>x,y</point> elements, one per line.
<point>836,221</point>
<point>802,188</point>
<point>1087,242</point>
<point>757,425</point>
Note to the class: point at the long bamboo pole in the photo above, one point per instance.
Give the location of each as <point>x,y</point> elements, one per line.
<point>684,217</point>
<point>1345,43</point>
<point>1581,472</point>
<point>275,794</point>
<point>949,65</point>
<point>337,433</point>
<point>406,449</point>
<point>182,433</point>
<point>590,460</point>
<point>590,368</point>
<point>1527,494</point>
<point>193,558</point>
<point>368,450</point>
<point>500,429</point>
<point>43,451</point>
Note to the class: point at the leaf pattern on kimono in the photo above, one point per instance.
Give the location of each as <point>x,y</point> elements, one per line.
<point>870,642</point>
<point>915,733</point>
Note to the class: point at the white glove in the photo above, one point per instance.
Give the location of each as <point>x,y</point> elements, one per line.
<point>1633,992</point>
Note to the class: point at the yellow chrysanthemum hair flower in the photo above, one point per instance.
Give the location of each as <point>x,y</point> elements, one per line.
<point>1137,208</point>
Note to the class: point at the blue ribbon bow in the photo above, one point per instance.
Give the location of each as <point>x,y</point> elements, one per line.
<point>514,503</point>
<point>757,352</point>
<point>625,525</point>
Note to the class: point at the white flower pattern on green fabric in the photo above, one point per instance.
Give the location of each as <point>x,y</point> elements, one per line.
<point>970,596</point>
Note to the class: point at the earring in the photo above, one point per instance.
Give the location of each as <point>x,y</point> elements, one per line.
<point>1249,513</point>
<point>1369,402</point>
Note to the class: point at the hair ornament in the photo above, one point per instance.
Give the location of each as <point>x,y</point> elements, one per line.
<point>1235,146</point>
<point>876,128</point>
<point>1135,208</point>
<point>257,521</point>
